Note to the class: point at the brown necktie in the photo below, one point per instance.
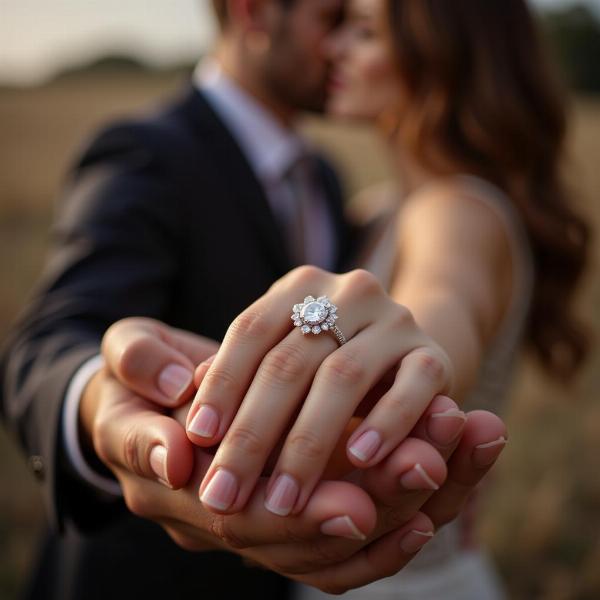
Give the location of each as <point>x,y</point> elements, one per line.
<point>299,180</point>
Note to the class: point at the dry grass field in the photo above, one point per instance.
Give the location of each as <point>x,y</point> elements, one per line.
<point>541,514</point>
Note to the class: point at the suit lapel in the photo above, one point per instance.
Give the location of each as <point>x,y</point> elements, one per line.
<point>244,188</point>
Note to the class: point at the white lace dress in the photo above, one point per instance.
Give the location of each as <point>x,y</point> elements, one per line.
<point>445,569</point>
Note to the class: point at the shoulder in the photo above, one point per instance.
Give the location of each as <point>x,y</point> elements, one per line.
<point>460,214</point>
<point>137,139</point>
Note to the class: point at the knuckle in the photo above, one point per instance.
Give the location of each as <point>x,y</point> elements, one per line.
<point>245,440</point>
<point>131,455</point>
<point>305,275</point>
<point>305,444</point>
<point>401,409</point>
<point>132,360</point>
<point>343,367</point>
<point>283,364</point>
<point>402,317</point>
<point>364,282</point>
<point>220,528</point>
<point>250,324</point>
<point>220,382</point>
<point>431,365</point>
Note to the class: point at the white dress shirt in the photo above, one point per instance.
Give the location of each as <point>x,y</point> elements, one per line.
<point>271,150</point>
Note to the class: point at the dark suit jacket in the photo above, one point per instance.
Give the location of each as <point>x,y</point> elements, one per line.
<point>165,218</point>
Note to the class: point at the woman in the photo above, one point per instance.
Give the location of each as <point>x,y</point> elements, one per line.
<point>486,249</point>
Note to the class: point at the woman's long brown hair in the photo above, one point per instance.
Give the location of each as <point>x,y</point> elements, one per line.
<point>479,97</point>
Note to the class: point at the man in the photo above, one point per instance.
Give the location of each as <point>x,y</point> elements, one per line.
<point>187,216</point>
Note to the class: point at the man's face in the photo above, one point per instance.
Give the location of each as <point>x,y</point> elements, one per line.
<point>297,67</point>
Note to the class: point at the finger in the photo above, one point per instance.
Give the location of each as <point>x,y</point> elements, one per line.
<point>337,509</point>
<point>277,389</point>
<point>413,466</point>
<point>423,373</point>
<point>250,337</point>
<point>403,482</point>
<point>134,437</point>
<point>483,441</point>
<point>154,360</point>
<point>441,425</point>
<point>382,558</point>
<point>341,382</point>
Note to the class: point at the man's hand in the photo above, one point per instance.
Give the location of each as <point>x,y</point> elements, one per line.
<point>313,546</point>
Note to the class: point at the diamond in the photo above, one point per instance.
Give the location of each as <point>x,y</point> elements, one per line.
<point>322,299</point>
<point>297,308</point>
<point>316,329</point>
<point>325,326</point>
<point>305,329</point>
<point>298,323</point>
<point>314,312</point>
<point>308,299</point>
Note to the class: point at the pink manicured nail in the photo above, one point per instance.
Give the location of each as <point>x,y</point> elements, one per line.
<point>342,527</point>
<point>174,380</point>
<point>486,454</point>
<point>283,495</point>
<point>414,540</point>
<point>158,463</point>
<point>443,428</point>
<point>221,490</point>
<point>418,479</point>
<point>205,422</point>
<point>365,447</point>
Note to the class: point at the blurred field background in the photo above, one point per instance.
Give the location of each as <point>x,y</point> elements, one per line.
<point>541,510</point>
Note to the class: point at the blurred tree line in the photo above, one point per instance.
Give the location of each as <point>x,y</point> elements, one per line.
<point>574,33</point>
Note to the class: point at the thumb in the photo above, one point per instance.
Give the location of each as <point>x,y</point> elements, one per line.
<point>136,438</point>
<point>154,360</point>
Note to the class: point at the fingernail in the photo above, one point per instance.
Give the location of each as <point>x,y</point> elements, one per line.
<point>158,463</point>
<point>365,447</point>
<point>205,422</point>
<point>418,479</point>
<point>443,428</point>
<point>342,527</point>
<point>174,380</point>
<point>221,490</point>
<point>282,497</point>
<point>486,454</point>
<point>414,540</point>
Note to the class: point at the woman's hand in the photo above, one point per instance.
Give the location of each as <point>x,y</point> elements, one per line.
<point>267,375</point>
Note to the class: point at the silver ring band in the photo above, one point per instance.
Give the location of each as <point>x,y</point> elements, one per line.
<point>339,336</point>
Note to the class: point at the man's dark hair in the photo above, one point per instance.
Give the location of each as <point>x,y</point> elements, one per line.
<point>220,9</point>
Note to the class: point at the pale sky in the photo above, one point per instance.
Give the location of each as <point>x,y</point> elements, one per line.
<point>42,37</point>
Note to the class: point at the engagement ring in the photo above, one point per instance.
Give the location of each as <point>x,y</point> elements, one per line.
<point>314,316</point>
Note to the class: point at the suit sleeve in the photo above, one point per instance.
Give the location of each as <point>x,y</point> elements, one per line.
<point>114,254</point>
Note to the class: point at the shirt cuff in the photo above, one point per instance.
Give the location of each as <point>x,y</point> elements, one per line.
<point>70,422</point>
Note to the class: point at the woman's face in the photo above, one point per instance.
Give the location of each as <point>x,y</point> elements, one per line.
<point>363,83</point>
